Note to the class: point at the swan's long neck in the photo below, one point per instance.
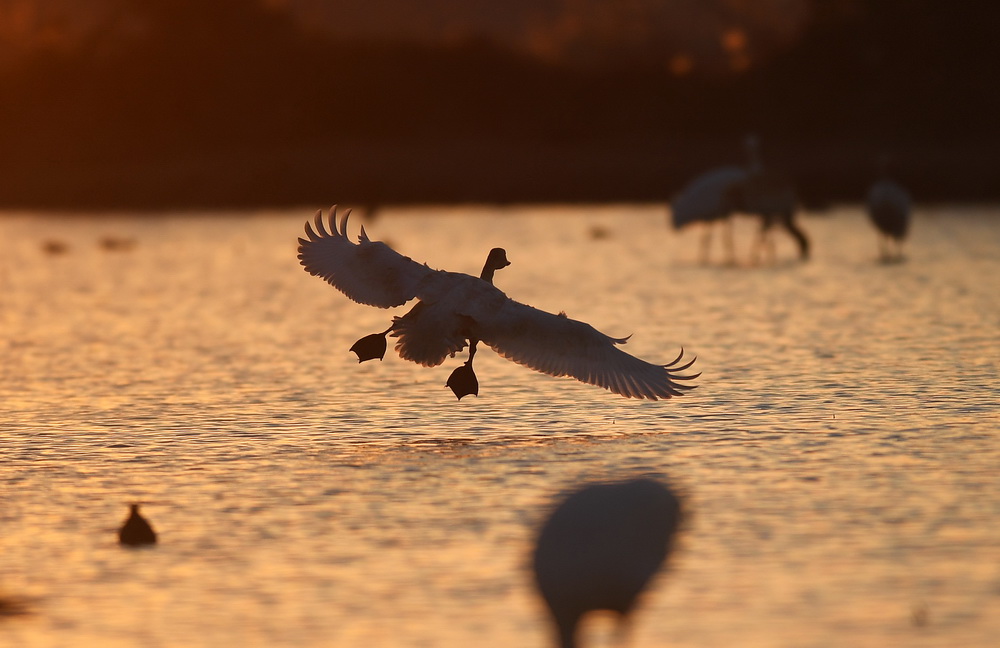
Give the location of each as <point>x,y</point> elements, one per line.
<point>496,259</point>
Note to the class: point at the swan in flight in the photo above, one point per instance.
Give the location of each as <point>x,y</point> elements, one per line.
<point>889,210</point>
<point>599,549</point>
<point>753,189</point>
<point>456,309</point>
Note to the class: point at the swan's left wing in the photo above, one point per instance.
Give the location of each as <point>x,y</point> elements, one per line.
<point>559,346</point>
<point>369,272</point>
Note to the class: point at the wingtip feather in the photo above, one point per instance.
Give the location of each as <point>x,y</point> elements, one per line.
<point>675,360</point>
<point>343,223</point>
<point>320,227</point>
<point>683,367</point>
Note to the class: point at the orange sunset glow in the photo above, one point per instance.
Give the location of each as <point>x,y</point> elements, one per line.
<point>499,324</point>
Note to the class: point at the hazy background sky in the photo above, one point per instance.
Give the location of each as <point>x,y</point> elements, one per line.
<point>563,31</point>
<point>584,32</point>
<point>149,103</point>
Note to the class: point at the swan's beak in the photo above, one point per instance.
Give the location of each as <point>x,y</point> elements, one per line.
<point>463,381</point>
<point>370,347</point>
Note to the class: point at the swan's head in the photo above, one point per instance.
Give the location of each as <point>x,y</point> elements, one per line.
<point>497,259</point>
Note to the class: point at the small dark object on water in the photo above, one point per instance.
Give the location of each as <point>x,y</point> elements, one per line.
<point>116,244</point>
<point>13,606</point>
<point>136,530</point>
<point>599,233</point>
<point>54,247</point>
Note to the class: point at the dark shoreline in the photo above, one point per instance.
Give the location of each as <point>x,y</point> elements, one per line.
<point>484,171</point>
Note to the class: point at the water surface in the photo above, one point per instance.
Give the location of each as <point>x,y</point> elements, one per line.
<point>840,456</point>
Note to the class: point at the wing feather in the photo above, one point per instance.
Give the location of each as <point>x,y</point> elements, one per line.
<point>559,346</point>
<point>369,272</point>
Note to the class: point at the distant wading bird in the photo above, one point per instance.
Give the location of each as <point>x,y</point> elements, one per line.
<point>136,531</point>
<point>455,309</point>
<point>889,209</point>
<point>717,195</point>
<point>599,549</point>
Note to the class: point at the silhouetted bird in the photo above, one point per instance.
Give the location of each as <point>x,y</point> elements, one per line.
<point>136,530</point>
<point>889,209</point>
<point>599,549</point>
<point>706,200</point>
<point>755,190</point>
<point>770,195</point>
<point>454,308</point>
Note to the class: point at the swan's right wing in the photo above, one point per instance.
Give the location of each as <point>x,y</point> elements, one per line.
<point>369,272</point>
<point>559,346</point>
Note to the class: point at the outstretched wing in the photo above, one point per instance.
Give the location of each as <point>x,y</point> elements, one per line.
<point>369,272</point>
<point>559,346</point>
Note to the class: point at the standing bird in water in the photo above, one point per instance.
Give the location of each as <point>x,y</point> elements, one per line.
<point>455,309</point>
<point>136,530</point>
<point>754,190</point>
<point>706,200</point>
<point>768,194</point>
<point>599,549</point>
<point>889,209</point>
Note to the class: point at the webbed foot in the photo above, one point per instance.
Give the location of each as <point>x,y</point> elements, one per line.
<point>371,346</point>
<point>463,381</point>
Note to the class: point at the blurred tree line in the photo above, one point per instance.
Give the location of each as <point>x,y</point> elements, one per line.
<point>230,102</point>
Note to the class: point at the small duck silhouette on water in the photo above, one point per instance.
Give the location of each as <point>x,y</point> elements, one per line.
<point>136,531</point>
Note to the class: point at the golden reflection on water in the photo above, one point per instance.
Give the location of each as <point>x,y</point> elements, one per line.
<point>839,456</point>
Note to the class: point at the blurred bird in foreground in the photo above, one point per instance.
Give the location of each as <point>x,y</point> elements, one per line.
<point>599,549</point>
<point>136,531</point>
